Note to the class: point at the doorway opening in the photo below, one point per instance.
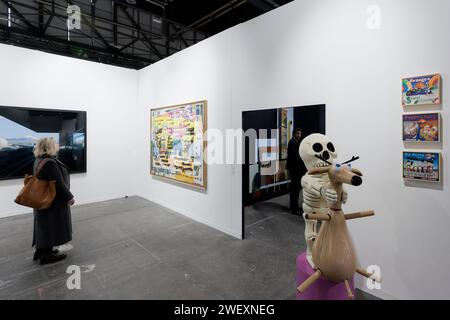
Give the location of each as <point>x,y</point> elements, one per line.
<point>266,184</point>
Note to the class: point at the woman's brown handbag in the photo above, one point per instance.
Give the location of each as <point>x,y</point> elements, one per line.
<point>36,193</point>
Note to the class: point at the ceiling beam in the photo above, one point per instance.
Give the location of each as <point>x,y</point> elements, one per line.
<point>63,42</point>
<point>19,15</point>
<point>147,41</point>
<point>217,13</point>
<point>273,3</point>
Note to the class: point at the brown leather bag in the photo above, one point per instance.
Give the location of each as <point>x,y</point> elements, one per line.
<point>36,193</point>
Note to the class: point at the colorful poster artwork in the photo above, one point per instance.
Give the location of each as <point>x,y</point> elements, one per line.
<point>177,143</point>
<point>424,166</point>
<point>421,127</point>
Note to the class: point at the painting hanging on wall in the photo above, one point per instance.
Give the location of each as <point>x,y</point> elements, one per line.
<point>422,127</point>
<point>178,144</point>
<point>423,90</point>
<point>22,127</point>
<point>423,166</point>
<point>285,123</point>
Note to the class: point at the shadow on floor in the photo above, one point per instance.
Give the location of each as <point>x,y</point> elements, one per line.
<point>272,223</point>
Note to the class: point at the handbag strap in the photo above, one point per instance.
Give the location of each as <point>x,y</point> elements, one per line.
<point>40,166</point>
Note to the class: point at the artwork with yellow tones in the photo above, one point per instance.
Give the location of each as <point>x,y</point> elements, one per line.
<point>423,90</point>
<point>178,144</point>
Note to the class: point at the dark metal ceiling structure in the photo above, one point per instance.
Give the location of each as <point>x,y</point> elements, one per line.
<point>126,33</point>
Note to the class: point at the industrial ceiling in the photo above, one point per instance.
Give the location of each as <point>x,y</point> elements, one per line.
<point>126,33</point>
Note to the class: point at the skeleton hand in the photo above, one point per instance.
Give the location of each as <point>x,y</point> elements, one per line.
<point>344,197</point>
<point>329,194</point>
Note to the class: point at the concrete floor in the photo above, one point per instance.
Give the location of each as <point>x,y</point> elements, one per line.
<point>135,249</point>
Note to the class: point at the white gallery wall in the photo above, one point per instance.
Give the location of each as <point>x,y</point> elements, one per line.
<point>313,52</point>
<point>202,73</point>
<point>35,79</point>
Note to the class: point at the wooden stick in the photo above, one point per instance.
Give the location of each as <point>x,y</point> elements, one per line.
<point>361,214</point>
<point>318,216</point>
<point>349,290</point>
<point>371,276</point>
<point>312,278</point>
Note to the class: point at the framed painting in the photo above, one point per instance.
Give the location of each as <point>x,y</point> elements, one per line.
<point>423,90</point>
<point>178,143</point>
<point>423,166</point>
<point>22,127</point>
<point>422,127</point>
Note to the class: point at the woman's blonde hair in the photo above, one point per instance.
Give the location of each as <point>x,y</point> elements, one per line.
<point>46,147</point>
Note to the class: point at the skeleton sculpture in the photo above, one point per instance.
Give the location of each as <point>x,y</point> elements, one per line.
<point>317,192</point>
<point>333,254</point>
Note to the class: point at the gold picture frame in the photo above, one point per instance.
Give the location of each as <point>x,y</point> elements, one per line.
<point>166,130</point>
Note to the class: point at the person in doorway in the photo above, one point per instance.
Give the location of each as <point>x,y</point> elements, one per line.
<point>296,170</point>
<point>52,226</point>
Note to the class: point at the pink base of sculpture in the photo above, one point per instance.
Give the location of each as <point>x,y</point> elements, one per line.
<point>322,289</point>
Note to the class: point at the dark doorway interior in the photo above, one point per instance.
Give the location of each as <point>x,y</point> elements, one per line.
<point>271,151</point>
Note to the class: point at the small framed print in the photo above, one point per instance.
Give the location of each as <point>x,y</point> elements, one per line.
<point>422,127</point>
<point>423,90</point>
<point>422,166</point>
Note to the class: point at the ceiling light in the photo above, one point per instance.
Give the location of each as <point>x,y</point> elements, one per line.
<point>156,20</point>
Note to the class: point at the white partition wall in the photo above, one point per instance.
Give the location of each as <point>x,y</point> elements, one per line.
<point>201,73</point>
<point>322,52</point>
<point>34,79</point>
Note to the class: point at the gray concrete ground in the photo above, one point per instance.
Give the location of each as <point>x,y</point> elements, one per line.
<point>135,249</point>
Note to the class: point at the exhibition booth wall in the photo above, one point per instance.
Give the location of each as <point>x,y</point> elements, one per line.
<point>108,94</point>
<point>324,52</point>
<point>305,53</point>
<point>202,73</point>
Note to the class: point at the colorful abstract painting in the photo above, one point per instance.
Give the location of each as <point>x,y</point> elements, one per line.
<point>424,90</point>
<point>177,143</point>
<point>421,127</point>
<point>424,166</point>
<point>284,133</point>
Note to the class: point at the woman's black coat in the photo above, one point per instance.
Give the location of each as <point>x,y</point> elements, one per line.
<point>53,226</point>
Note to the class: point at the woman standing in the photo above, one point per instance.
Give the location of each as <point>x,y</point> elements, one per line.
<point>52,226</point>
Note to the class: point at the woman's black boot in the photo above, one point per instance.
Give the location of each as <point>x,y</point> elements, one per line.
<point>49,256</point>
<point>37,254</point>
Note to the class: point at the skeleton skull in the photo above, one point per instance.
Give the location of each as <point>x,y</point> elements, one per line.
<point>317,144</point>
